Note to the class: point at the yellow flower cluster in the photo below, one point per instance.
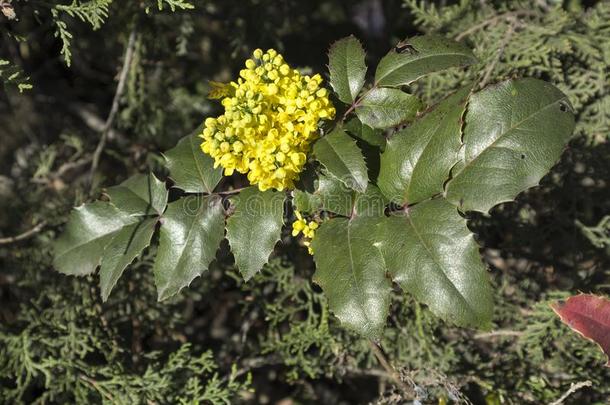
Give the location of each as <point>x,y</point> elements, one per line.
<point>307,229</point>
<point>271,118</point>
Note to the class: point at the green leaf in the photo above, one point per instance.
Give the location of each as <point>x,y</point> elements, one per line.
<point>191,231</point>
<point>384,108</point>
<point>432,255</point>
<point>90,228</point>
<point>126,245</point>
<point>417,160</point>
<point>192,170</point>
<point>343,159</point>
<point>305,202</point>
<point>370,204</point>
<point>335,197</point>
<point>414,58</point>
<point>347,68</point>
<point>351,271</point>
<point>254,228</point>
<point>369,135</point>
<point>515,132</point>
<point>142,194</point>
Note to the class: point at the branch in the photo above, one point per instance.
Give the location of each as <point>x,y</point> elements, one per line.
<point>129,50</point>
<point>497,333</point>
<point>390,370</point>
<point>507,36</point>
<point>95,385</point>
<point>573,388</point>
<point>511,15</point>
<point>25,235</point>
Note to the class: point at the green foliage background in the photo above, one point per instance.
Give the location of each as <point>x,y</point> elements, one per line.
<point>272,339</point>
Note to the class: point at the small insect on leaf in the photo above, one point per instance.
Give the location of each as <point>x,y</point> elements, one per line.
<point>403,47</point>
<point>588,315</point>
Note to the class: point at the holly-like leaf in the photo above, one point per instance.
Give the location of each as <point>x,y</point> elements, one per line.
<point>351,271</point>
<point>335,197</point>
<point>192,170</point>
<point>371,203</point>
<point>254,228</point>
<point>191,231</point>
<point>142,194</point>
<point>343,159</point>
<point>384,108</point>
<point>515,132</point>
<point>589,315</point>
<point>125,246</point>
<point>347,68</point>
<point>414,58</point>
<point>90,228</point>
<point>373,137</point>
<point>417,160</point>
<point>432,255</point>
<point>305,202</point>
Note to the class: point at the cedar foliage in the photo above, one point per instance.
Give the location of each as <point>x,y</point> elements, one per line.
<point>223,341</point>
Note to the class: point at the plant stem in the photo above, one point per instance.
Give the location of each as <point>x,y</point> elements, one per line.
<point>114,109</point>
<point>385,363</point>
<point>24,235</point>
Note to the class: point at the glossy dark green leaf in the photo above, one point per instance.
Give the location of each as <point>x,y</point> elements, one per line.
<point>90,228</point>
<point>347,68</point>
<point>192,170</point>
<point>306,202</point>
<point>372,203</point>
<point>352,273</point>
<point>142,194</point>
<point>254,228</point>
<point>514,133</point>
<point>191,231</point>
<point>417,160</point>
<point>126,245</point>
<point>343,159</point>
<point>414,58</point>
<point>384,108</point>
<point>432,255</point>
<point>337,198</point>
<point>369,135</point>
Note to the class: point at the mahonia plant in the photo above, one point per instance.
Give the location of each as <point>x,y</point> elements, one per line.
<point>377,189</point>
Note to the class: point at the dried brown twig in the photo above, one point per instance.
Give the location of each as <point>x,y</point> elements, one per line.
<point>25,235</point>
<point>573,388</point>
<point>114,109</point>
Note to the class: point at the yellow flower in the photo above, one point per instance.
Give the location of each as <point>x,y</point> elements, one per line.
<point>308,229</point>
<point>271,118</point>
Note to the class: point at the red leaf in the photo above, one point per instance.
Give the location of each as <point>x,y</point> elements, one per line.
<point>588,315</point>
